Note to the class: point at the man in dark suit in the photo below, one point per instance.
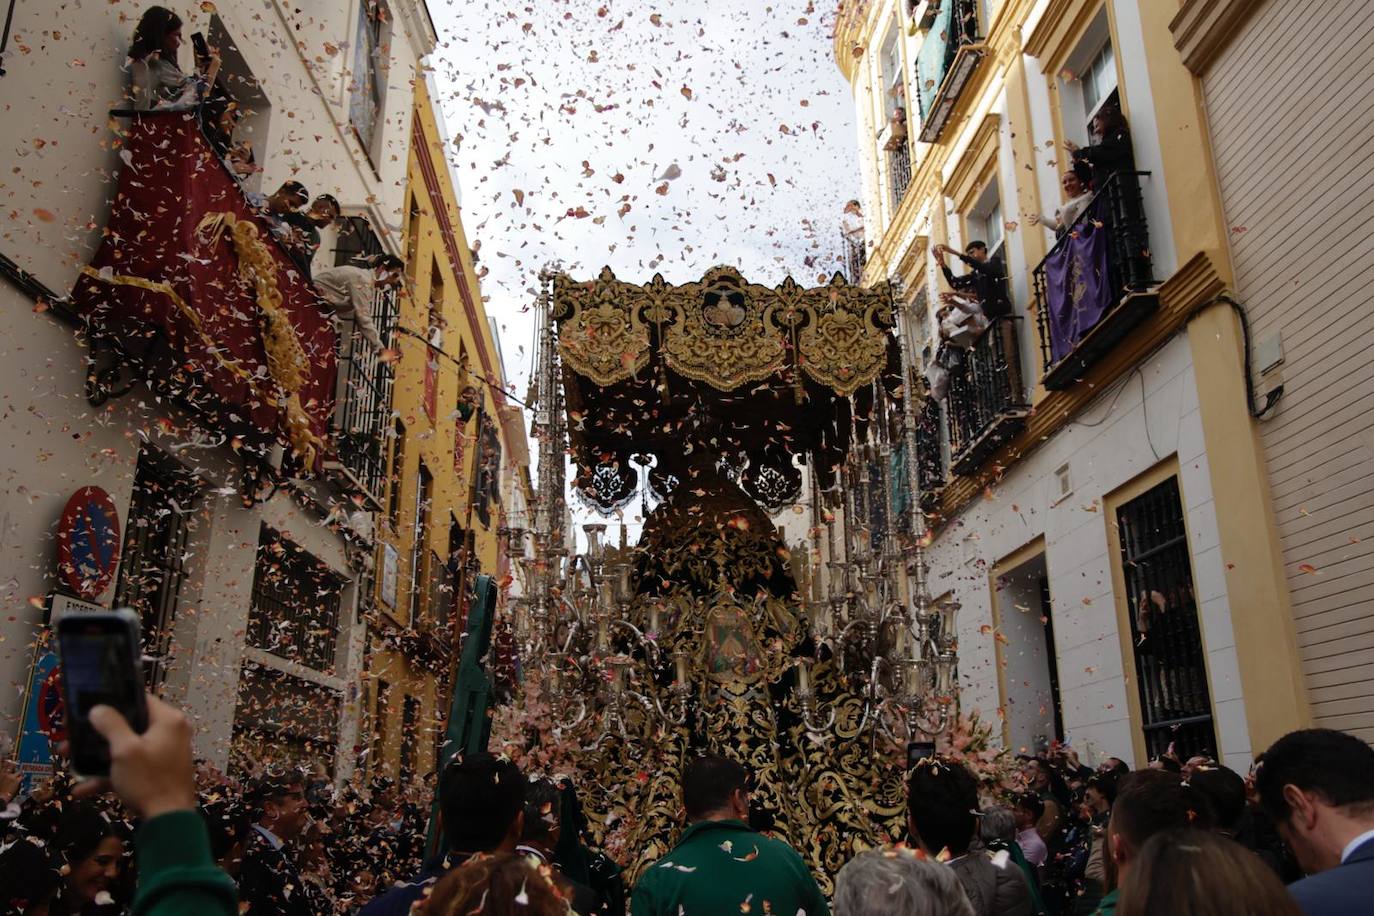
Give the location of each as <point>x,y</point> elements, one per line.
<point>269,884</point>
<point>1316,786</point>
<point>986,279</point>
<point>942,814</point>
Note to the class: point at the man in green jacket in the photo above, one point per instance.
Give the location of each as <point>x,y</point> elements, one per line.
<point>154,774</point>
<point>720,865</point>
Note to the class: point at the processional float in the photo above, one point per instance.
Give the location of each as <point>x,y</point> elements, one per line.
<point>727,401</point>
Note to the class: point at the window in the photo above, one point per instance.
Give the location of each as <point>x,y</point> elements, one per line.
<point>368,90</point>
<point>1175,703</point>
<point>488,474</point>
<point>1099,80</point>
<point>985,222</point>
<point>894,93</point>
<point>295,610</point>
<point>161,517</point>
<point>283,720</point>
<point>380,726</point>
<point>410,738</point>
<point>419,550</point>
<point>398,466</point>
<point>412,238</point>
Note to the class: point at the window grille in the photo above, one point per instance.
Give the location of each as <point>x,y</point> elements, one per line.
<point>153,570</point>
<point>410,738</point>
<point>1171,674</point>
<point>419,549</point>
<point>295,612</point>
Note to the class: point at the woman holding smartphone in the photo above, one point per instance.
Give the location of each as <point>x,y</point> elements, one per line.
<point>158,80</point>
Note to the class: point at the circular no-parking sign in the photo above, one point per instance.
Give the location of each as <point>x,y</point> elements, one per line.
<point>88,542</point>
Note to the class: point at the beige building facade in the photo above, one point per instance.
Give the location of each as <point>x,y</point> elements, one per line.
<point>1098,488</point>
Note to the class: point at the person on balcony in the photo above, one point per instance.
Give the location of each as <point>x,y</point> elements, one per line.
<point>986,280</point>
<point>1108,153</point>
<point>1076,198</point>
<point>349,290</point>
<point>158,80</point>
<point>306,224</point>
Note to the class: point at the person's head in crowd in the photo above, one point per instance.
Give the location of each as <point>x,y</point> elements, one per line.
<point>1028,808</point>
<point>88,853</point>
<point>388,270</point>
<point>1150,802</point>
<point>1099,793</point>
<point>1044,779</point>
<point>1225,791</point>
<point>997,826</point>
<point>543,815</point>
<point>977,250</point>
<point>941,801</point>
<point>1202,874</point>
<point>1196,762</point>
<point>291,196</point>
<point>1316,786</point>
<point>715,788</point>
<point>495,885</point>
<point>324,210</point>
<point>1114,766</point>
<point>279,798</point>
<point>28,880</point>
<point>1108,121</point>
<point>158,32</point>
<point>481,803</point>
<point>1073,187</point>
<point>228,823</point>
<point>898,882</point>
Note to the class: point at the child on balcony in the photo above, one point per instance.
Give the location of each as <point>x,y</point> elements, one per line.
<point>158,81</point>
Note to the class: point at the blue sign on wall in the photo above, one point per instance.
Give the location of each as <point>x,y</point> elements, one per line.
<point>35,749</point>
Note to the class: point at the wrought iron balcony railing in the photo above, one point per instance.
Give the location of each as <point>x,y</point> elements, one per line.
<point>944,65</point>
<point>1096,284</point>
<point>362,408</point>
<point>987,400</point>
<point>899,172</point>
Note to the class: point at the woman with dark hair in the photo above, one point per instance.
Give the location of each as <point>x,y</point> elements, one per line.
<point>158,81</point>
<point>88,853</point>
<point>1110,150</point>
<point>1202,874</point>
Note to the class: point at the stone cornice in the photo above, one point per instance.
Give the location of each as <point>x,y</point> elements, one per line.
<point>1202,28</point>
<point>1054,34</point>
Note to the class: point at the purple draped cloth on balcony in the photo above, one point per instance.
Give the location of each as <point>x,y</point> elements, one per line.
<point>1079,289</point>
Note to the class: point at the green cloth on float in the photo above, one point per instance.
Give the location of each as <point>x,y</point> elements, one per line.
<point>718,866</point>
<point>176,873</point>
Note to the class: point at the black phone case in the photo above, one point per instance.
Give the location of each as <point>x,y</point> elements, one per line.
<point>89,750</point>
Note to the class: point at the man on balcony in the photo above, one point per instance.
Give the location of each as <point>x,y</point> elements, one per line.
<point>986,280</point>
<point>349,291</point>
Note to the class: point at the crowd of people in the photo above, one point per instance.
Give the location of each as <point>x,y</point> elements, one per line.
<point>1175,837</point>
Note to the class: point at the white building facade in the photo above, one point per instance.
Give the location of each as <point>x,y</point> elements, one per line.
<point>253,614</point>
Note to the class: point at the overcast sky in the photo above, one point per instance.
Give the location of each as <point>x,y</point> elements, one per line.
<point>571,117</point>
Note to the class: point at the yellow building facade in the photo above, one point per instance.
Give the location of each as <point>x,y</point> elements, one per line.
<point>1101,503</point>
<point>450,441</point>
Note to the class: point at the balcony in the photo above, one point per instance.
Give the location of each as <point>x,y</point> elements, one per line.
<point>363,408</point>
<point>191,293</point>
<point>899,172</point>
<point>987,401</point>
<point>855,256</point>
<point>1096,285</point>
<point>948,56</point>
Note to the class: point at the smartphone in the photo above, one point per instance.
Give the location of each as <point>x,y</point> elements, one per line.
<point>916,751</point>
<point>201,48</point>
<point>101,661</point>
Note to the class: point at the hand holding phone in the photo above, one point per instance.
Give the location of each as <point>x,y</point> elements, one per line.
<point>153,772</point>
<point>101,666</point>
<point>201,48</point>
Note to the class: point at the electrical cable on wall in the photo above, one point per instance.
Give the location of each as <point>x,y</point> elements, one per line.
<point>1271,398</point>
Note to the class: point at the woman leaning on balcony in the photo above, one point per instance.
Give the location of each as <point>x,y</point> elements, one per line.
<point>158,80</point>
<point>1076,197</point>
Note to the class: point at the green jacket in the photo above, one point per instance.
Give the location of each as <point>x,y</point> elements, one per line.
<point>718,867</point>
<point>176,875</point>
<point>1108,905</point>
